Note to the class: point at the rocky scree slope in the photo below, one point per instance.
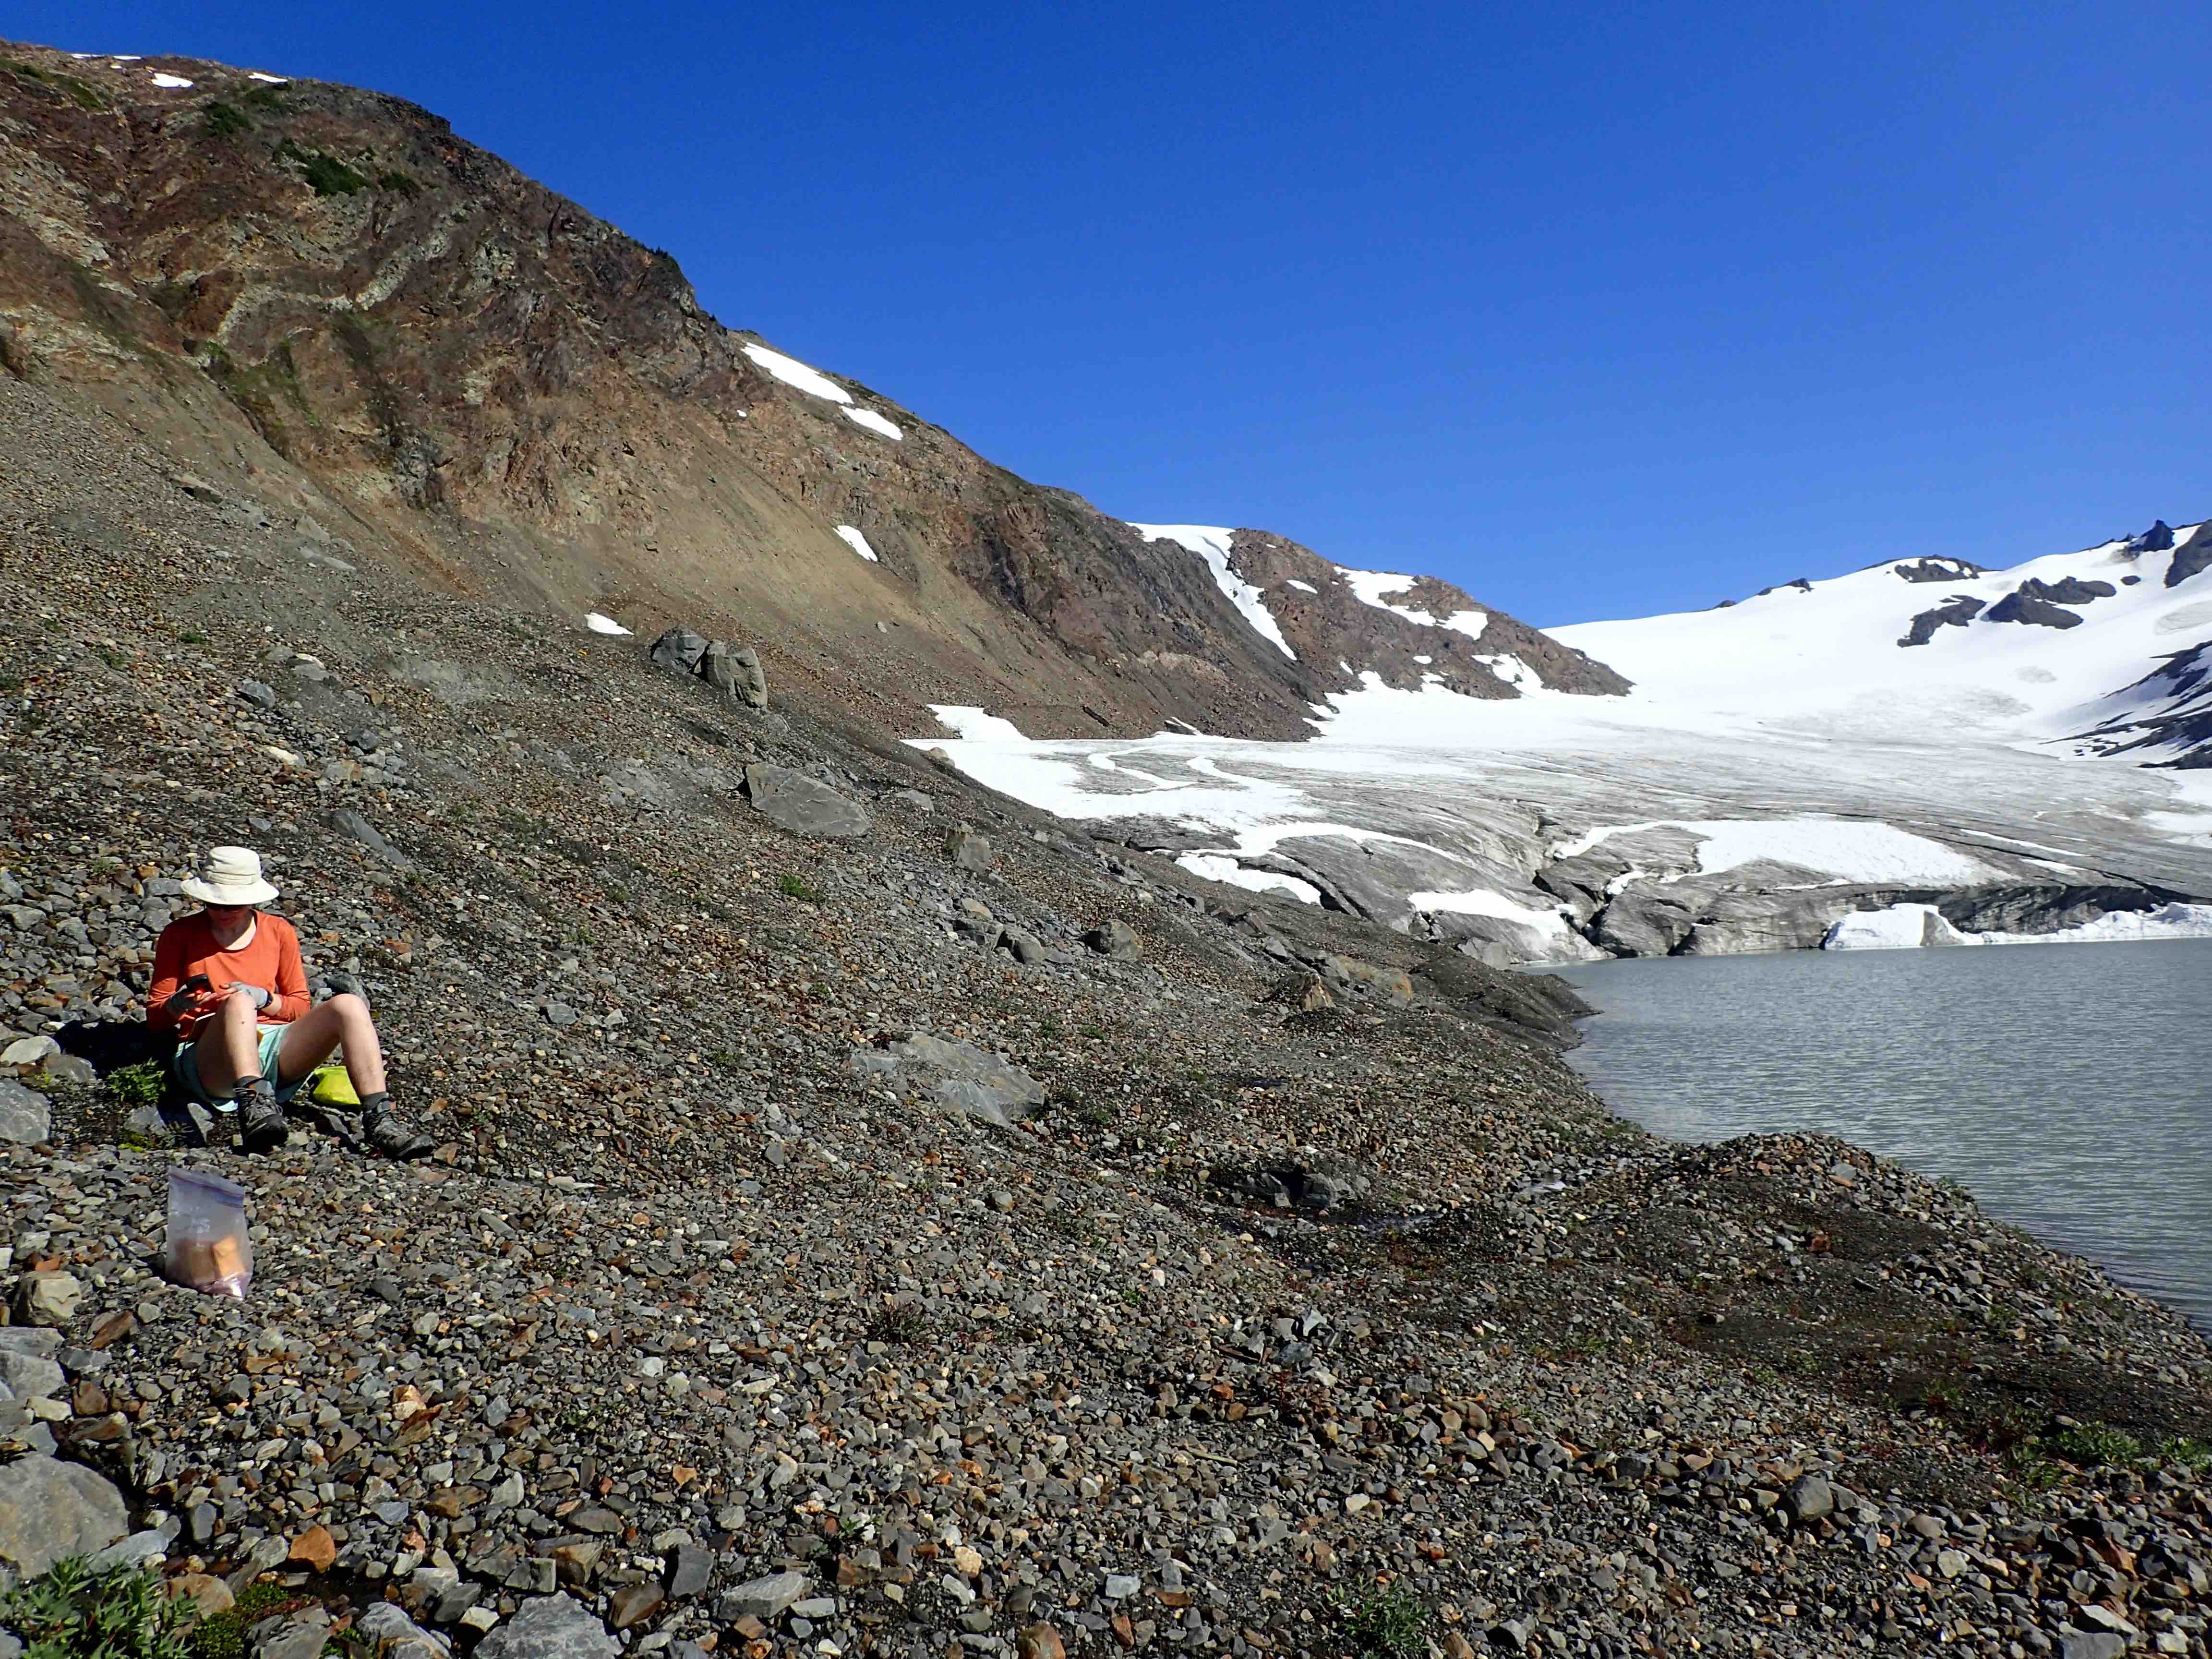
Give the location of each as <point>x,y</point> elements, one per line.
<point>930,1240</point>
<point>322,295</point>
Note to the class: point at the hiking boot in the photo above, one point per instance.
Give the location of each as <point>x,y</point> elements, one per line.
<point>381,1127</point>
<point>261,1125</point>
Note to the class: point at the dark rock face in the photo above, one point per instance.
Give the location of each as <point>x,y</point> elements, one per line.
<point>2193,558</point>
<point>2157,539</point>
<point>1643,922</point>
<point>1954,612</point>
<point>2019,607</point>
<point>2177,698</point>
<point>2069,590</point>
<point>1937,570</point>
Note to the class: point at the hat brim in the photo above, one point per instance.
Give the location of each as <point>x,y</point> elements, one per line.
<point>252,892</point>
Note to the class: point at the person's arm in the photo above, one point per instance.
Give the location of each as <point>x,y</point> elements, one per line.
<point>168,980</point>
<point>291,999</point>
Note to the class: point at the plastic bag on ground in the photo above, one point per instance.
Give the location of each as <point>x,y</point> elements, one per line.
<point>208,1248</point>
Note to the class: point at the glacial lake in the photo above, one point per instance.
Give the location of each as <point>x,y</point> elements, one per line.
<point>2069,1087</point>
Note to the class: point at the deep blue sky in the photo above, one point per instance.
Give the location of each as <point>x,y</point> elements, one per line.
<point>1596,310</point>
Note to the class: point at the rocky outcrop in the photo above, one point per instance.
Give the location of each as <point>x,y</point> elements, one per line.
<point>2192,558</point>
<point>2020,606</point>
<point>2067,590</point>
<point>1937,570</point>
<point>1954,612</point>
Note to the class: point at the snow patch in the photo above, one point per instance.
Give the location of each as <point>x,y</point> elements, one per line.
<point>1900,927</point>
<point>1368,588</point>
<point>1219,866</point>
<point>873,422</point>
<point>1483,903</point>
<point>600,623</point>
<point>973,724</point>
<point>172,82</point>
<point>267,80</point>
<point>1911,926</point>
<point>1302,587</point>
<point>792,372</point>
<point>852,538</point>
<point>1211,544</point>
<point>1848,849</point>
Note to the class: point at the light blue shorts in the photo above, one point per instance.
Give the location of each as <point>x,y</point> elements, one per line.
<point>185,1068</point>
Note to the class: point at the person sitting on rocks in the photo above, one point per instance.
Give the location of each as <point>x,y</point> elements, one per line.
<point>229,982</point>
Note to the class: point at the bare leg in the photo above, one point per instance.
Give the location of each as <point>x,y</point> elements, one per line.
<point>310,1039</point>
<point>227,1047</point>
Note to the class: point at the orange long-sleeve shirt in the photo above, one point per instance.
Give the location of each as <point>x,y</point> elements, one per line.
<point>270,959</point>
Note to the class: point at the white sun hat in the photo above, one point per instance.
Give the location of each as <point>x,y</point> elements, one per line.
<point>229,875</point>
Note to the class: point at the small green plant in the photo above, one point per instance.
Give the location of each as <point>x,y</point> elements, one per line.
<point>263,98</point>
<point>2094,1446</point>
<point>399,183</point>
<point>1386,1622</point>
<point>326,174</point>
<point>135,1085</point>
<point>1096,1033</point>
<point>74,1613</point>
<point>793,887</point>
<point>2190,1454</point>
<point>904,1323</point>
<point>191,637</point>
<point>223,1637</point>
<point>224,120</point>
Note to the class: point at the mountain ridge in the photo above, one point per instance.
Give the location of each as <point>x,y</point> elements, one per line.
<point>322,295</point>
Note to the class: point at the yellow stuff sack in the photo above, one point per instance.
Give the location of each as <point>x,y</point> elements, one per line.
<point>328,1085</point>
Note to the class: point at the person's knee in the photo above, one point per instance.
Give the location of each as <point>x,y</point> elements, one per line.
<point>238,1008</point>
<point>349,1008</point>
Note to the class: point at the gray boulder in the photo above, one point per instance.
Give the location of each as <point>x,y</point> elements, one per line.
<point>26,1376</point>
<point>761,1598</point>
<point>679,649</point>
<point>1023,946</point>
<point>753,680</point>
<point>355,828</point>
<point>959,1074</point>
<point>1114,938</point>
<point>550,1628</point>
<point>970,851</point>
<point>24,1115</point>
<point>805,805</point>
<point>718,666</point>
<point>50,1510</point>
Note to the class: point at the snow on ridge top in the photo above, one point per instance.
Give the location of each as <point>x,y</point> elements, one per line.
<point>873,422</point>
<point>172,82</point>
<point>852,538</point>
<point>1369,587</point>
<point>792,372</point>
<point>1211,544</point>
